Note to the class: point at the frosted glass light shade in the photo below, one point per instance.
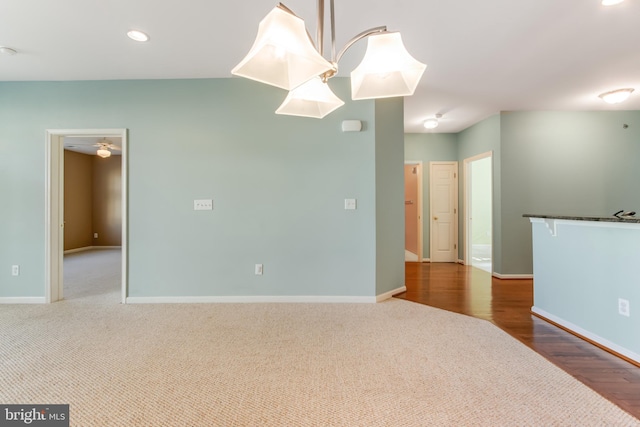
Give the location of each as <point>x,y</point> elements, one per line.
<point>103,152</point>
<point>282,54</point>
<point>312,99</point>
<point>387,69</point>
<point>616,96</point>
<point>431,123</point>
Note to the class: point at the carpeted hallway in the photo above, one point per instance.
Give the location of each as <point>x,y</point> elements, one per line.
<point>390,364</point>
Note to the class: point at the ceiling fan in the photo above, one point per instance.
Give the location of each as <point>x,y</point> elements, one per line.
<point>104,148</point>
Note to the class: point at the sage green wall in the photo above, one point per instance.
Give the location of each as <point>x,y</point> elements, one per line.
<point>389,194</point>
<point>566,163</point>
<point>278,185</point>
<point>429,147</point>
<point>481,138</point>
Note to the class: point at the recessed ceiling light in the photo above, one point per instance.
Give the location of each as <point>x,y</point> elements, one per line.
<point>7,50</point>
<point>137,35</point>
<point>616,96</point>
<point>611,2</point>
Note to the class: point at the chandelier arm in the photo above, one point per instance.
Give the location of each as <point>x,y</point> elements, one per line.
<point>286,9</point>
<point>333,33</point>
<point>360,36</point>
<point>320,29</point>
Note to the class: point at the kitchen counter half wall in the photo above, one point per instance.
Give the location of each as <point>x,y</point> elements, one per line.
<point>587,278</point>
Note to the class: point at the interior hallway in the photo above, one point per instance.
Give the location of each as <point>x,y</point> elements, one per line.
<point>507,303</point>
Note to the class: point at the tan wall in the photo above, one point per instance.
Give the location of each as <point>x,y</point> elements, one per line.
<point>92,200</point>
<point>107,200</point>
<point>410,209</point>
<point>78,208</point>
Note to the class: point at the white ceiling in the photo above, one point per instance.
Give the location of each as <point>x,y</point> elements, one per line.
<point>483,56</point>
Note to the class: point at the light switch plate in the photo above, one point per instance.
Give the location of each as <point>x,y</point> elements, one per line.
<point>203,205</point>
<point>350,204</point>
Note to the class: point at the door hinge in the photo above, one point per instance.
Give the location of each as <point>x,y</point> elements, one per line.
<point>455,246</point>
<point>455,175</point>
<point>455,211</point>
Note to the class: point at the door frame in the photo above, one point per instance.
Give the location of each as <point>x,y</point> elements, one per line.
<point>54,206</point>
<point>455,212</point>
<point>467,205</point>
<point>420,207</point>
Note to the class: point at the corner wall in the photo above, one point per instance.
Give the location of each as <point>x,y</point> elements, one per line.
<point>389,148</point>
<point>564,163</point>
<point>78,200</point>
<point>477,139</point>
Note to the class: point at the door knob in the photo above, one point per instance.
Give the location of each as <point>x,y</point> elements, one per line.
<point>435,218</point>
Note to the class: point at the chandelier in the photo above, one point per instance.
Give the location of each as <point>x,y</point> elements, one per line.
<point>284,55</point>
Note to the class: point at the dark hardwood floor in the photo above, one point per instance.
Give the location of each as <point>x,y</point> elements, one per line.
<point>507,303</point>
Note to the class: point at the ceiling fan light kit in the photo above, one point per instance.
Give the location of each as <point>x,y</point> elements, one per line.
<point>103,152</point>
<point>283,55</point>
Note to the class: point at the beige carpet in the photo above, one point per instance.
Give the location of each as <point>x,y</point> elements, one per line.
<point>390,364</point>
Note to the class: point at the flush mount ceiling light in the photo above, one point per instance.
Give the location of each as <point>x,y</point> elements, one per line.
<point>616,96</point>
<point>433,122</point>
<point>7,50</point>
<point>611,2</point>
<point>283,55</point>
<point>137,35</point>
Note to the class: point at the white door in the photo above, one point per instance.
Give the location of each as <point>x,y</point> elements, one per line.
<point>443,198</point>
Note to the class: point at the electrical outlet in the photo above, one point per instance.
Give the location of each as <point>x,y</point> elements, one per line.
<point>350,204</point>
<point>623,307</point>
<point>258,269</point>
<point>95,235</point>
<point>15,270</point>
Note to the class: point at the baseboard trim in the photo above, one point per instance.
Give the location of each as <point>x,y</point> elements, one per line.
<point>23,300</point>
<point>88,248</point>
<point>387,295</point>
<point>513,276</point>
<point>594,339</point>
<point>76,250</point>
<point>426,259</point>
<point>250,299</point>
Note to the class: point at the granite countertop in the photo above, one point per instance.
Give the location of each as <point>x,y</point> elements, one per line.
<point>585,218</point>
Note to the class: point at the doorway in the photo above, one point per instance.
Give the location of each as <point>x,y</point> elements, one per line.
<point>54,203</point>
<point>443,202</point>
<point>413,211</point>
<point>479,211</point>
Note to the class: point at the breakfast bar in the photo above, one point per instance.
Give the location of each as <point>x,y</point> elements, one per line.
<point>587,278</point>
